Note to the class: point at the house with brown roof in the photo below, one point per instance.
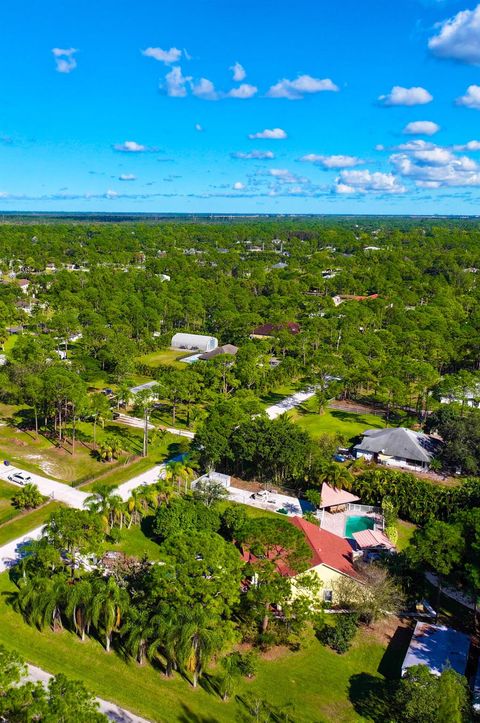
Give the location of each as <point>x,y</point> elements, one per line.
<point>225,349</point>
<point>267,331</point>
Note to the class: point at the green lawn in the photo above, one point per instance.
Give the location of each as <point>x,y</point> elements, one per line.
<point>334,421</point>
<point>137,541</point>
<point>314,683</point>
<point>7,511</point>
<point>26,522</point>
<point>405,532</point>
<point>161,450</point>
<point>170,357</point>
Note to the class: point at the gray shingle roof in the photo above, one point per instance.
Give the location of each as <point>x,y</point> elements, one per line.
<point>399,442</point>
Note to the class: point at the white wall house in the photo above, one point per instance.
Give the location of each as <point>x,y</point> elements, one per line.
<point>197,342</point>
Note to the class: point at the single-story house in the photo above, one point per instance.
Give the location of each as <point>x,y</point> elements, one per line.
<point>225,349</point>
<point>197,342</point>
<point>332,556</point>
<point>333,499</point>
<point>397,447</point>
<point>23,284</point>
<point>437,647</point>
<point>471,398</point>
<point>266,331</point>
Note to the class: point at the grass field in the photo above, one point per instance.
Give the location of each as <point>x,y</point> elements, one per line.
<point>7,511</point>
<point>25,522</point>
<point>334,421</point>
<point>405,532</point>
<point>313,684</point>
<point>169,357</point>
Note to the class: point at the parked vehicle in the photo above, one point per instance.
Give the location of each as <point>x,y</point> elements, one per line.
<point>20,478</point>
<point>339,458</point>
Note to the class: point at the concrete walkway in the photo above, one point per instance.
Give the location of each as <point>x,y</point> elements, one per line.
<point>111,710</point>
<point>273,501</point>
<point>276,410</point>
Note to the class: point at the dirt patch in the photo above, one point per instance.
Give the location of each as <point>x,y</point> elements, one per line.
<point>275,653</point>
<point>385,630</point>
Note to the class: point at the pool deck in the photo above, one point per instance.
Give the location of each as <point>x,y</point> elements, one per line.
<point>336,523</point>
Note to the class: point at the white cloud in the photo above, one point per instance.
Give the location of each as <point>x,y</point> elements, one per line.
<point>418,144</point>
<point>164,56</point>
<point>239,73</point>
<point>132,147</point>
<point>204,89</point>
<point>64,60</point>
<point>296,89</point>
<point>198,127</point>
<point>176,83</point>
<point>244,91</point>
<point>458,37</point>
<point>283,175</point>
<point>470,146</point>
<point>436,168</point>
<point>421,128</point>
<point>127,177</point>
<point>471,99</point>
<point>238,186</point>
<point>270,133</point>
<point>111,194</point>
<point>367,182</point>
<point>254,155</point>
<point>333,161</point>
<point>406,96</point>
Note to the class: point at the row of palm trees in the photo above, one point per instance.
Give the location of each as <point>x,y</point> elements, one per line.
<point>114,512</point>
<point>183,640</point>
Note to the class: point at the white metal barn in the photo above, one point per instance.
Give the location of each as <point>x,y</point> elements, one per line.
<point>198,342</point>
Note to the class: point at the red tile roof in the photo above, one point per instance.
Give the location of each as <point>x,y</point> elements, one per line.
<point>267,329</point>
<point>327,549</point>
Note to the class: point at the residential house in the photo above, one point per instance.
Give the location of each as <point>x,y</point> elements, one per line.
<point>267,331</point>
<point>332,556</point>
<point>229,349</point>
<point>437,647</point>
<point>397,447</point>
<point>24,285</point>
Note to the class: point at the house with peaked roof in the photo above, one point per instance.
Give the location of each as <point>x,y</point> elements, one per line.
<point>397,447</point>
<point>332,556</point>
<point>267,331</point>
<point>334,499</point>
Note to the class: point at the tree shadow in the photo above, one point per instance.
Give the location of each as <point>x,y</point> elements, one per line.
<point>372,697</point>
<point>188,716</point>
<point>210,684</point>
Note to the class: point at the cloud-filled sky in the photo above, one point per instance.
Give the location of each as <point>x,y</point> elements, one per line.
<point>263,107</point>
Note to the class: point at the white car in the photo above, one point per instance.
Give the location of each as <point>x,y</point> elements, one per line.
<point>20,478</point>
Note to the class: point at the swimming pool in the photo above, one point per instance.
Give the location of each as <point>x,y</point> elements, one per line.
<point>357,523</point>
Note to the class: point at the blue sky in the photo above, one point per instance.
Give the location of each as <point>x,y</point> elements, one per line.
<point>367,107</point>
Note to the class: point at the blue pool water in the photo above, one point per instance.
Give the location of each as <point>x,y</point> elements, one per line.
<point>357,523</point>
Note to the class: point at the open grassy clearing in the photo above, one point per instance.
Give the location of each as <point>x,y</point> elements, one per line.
<point>162,448</point>
<point>405,532</point>
<point>7,511</point>
<point>169,357</point>
<point>334,421</point>
<point>25,522</point>
<point>314,683</point>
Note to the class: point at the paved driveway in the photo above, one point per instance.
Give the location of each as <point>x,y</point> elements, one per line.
<point>49,488</point>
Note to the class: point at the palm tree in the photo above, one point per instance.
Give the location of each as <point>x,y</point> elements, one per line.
<point>166,634</point>
<point>136,506</point>
<point>198,642</point>
<point>109,602</point>
<point>79,598</point>
<point>138,629</point>
<point>337,476</point>
<point>41,599</point>
<point>106,503</point>
<point>180,472</point>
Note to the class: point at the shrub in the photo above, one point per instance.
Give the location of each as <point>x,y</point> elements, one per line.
<point>339,637</point>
